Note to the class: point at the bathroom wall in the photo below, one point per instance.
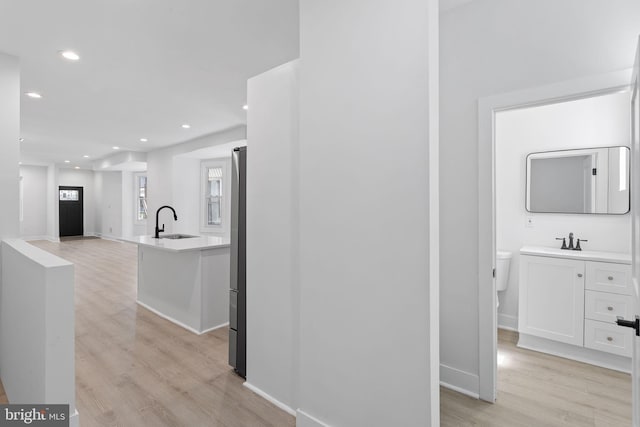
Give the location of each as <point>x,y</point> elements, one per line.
<point>593,122</point>
<point>493,47</point>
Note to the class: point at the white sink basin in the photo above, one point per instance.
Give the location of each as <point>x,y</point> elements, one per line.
<point>176,236</point>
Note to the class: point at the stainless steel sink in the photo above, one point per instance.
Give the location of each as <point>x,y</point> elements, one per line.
<point>176,236</point>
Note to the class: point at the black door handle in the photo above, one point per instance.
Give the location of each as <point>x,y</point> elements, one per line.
<point>635,324</point>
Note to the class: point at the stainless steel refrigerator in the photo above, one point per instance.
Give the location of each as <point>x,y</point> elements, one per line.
<point>238,297</point>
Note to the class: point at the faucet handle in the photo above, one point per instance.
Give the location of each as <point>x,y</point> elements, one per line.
<point>578,248</point>
<point>564,242</point>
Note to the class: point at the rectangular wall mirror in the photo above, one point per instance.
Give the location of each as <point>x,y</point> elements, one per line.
<point>584,181</point>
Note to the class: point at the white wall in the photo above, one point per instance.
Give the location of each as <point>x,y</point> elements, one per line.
<point>34,202</point>
<point>186,196</point>
<point>491,47</point>
<point>163,179</point>
<point>85,179</point>
<point>9,134</point>
<point>273,234</point>
<point>586,123</point>
<point>53,225</point>
<point>9,145</point>
<point>38,356</point>
<point>108,203</point>
<point>366,71</point>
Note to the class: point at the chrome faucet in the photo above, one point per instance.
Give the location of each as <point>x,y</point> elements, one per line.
<point>159,230</point>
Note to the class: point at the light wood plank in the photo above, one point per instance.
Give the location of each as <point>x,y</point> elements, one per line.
<point>537,389</point>
<point>134,368</point>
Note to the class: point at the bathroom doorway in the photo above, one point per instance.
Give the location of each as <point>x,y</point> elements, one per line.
<point>498,118</point>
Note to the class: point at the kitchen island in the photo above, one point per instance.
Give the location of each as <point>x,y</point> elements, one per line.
<point>185,280</point>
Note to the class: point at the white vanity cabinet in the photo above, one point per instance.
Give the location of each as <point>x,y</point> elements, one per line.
<point>552,298</point>
<point>607,296</point>
<point>569,301</point>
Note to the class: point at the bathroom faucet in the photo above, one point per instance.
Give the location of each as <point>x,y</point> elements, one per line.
<point>571,247</point>
<point>159,230</point>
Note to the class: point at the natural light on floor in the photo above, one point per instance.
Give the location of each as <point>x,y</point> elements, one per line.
<point>502,359</point>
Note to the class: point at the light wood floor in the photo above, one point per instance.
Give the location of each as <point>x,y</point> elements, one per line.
<point>134,368</point>
<point>536,389</point>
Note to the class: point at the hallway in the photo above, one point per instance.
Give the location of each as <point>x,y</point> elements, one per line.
<point>134,368</point>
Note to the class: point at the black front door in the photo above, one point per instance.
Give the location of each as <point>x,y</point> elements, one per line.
<point>71,211</point>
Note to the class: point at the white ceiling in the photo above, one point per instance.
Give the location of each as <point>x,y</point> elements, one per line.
<point>146,67</point>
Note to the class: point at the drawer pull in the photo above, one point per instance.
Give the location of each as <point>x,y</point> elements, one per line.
<point>610,308</point>
<point>609,339</point>
<point>610,277</point>
<point>579,274</point>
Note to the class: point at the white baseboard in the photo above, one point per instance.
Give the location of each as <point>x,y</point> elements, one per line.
<point>214,328</point>
<point>177,322</point>
<point>74,419</point>
<point>460,381</point>
<point>305,420</point>
<point>269,398</point>
<point>574,352</point>
<point>31,238</point>
<point>506,321</point>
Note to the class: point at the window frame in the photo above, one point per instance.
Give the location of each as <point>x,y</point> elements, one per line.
<point>205,165</point>
<point>136,196</point>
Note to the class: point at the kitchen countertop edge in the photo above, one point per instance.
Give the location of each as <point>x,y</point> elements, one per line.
<point>199,243</point>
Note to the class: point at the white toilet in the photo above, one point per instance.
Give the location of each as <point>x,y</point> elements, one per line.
<point>503,260</point>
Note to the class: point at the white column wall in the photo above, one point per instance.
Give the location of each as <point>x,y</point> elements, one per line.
<point>367,104</point>
<point>34,202</point>
<point>9,146</point>
<point>273,235</point>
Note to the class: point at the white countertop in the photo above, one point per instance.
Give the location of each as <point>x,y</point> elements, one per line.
<point>616,257</point>
<point>199,243</point>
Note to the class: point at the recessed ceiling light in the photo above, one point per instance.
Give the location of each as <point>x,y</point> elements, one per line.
<point>115,148</point>
<point>245,107</point>
<point>70,55</point>
<point>19,163</point>
<point>35,95</point>
<point>186,126</point>
<point>86,156</point>
<point>20,139</point>
<point>77,167</point>
<point>143,139</point>
<point>67,161</point>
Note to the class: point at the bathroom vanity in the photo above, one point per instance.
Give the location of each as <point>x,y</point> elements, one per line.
<point>185,280</point>
<point>568,303</point>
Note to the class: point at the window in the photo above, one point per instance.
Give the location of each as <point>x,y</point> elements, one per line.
<point>213,192</point>
<point>69,195</point>
<point>214,196</point>
<point>141,197</point>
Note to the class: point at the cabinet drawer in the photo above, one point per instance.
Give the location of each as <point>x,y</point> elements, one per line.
<point>608,337</point>
<point>605,307</point>
<point>608,277</point>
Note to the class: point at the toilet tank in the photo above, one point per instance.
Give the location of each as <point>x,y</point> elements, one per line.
<point>503,261</point>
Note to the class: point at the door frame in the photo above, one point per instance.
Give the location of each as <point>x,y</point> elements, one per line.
<point>487,108</point>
